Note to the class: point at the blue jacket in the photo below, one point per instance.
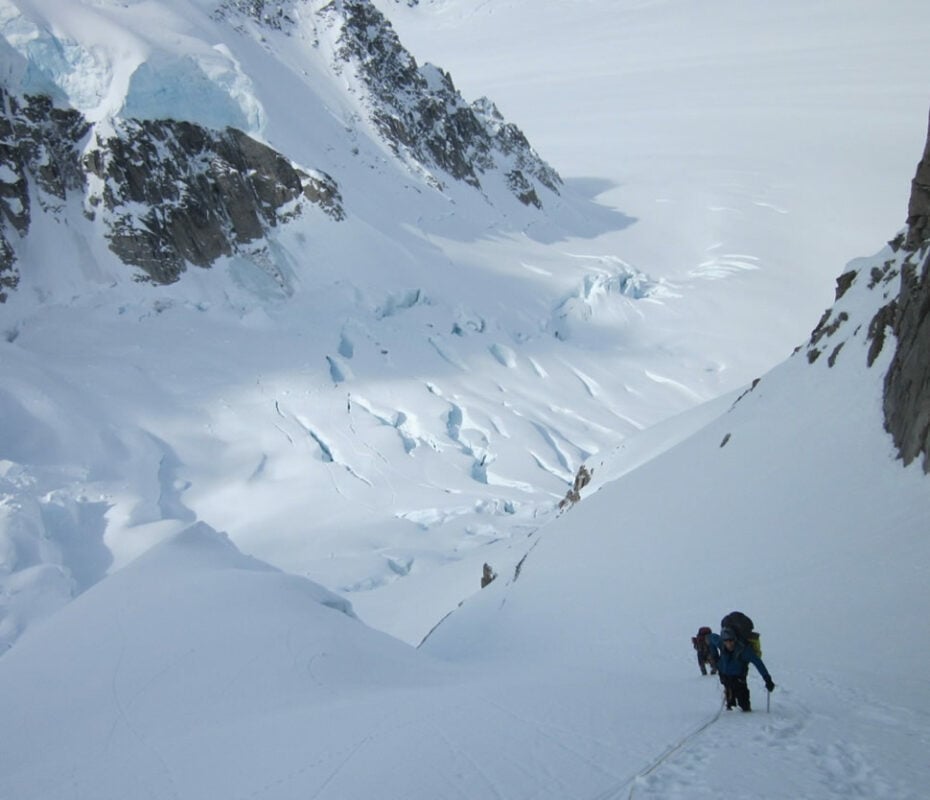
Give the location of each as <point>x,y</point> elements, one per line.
<point>737,663</point>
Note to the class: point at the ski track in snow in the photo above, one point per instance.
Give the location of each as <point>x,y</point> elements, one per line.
<point>123,707</point>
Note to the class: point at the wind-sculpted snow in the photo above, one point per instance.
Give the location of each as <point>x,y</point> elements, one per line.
<point>447,351</point>
<point>723,265</point>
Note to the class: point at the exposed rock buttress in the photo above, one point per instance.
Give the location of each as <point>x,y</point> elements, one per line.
<point>907,382</point>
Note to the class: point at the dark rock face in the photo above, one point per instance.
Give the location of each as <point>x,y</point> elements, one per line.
<point>177,193</point>
<point>903,280</point>
<point>38,163</point>
<point>170,193</point>
<point>416,109</point>
<point>273,13</point>
<point>421,114</point>
<point>918,208</point>
<point>907,383</point>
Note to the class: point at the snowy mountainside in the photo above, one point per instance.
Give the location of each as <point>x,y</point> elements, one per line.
<point>132,95</point>
<point>371,342</point>
<point>793,504</point>
<point>250,649</point>
<point>415,399</point>
<point>793,464</point>
<point>198,671</point>
<point>383,402</point>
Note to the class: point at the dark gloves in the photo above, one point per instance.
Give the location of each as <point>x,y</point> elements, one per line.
<point>769,686</point>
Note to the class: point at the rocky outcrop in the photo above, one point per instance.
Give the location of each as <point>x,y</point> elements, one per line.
<point>907,382</point>
<point>175,193</point>
<point>169,193</point>
<point>918,208</point>
<point>271,13</point>
<point>902,283</point>
<point>416,109</point>
<point>421,114</point>
<point>38,161</point>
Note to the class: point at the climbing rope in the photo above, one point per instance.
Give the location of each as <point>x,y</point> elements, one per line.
<point>654,765</point>
<point>672,750</point>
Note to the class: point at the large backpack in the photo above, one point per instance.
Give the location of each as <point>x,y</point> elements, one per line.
<point>702,640</point>
<point>742,628</point>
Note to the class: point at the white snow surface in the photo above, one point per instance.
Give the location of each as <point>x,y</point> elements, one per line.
<point>183,469</point>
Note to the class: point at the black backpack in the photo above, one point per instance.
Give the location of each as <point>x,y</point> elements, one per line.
<point>742,627</point>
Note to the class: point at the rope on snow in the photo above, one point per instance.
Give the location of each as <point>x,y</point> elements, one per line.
<point>666,754</point>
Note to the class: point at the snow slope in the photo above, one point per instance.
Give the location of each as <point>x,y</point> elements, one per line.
<point>419,395</point>
<point>196,671</point>
<point>793,505</point>
<point>416,397</point>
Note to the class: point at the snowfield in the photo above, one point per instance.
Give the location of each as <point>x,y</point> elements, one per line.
<point>243,517</point>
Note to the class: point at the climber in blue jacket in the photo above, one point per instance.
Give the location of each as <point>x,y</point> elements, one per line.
<point>733,667</point>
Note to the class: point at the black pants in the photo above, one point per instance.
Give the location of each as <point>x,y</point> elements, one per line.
<point>737,691</point>
<point>706,659</point>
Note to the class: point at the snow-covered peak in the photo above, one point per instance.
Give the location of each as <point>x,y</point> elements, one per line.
<point>163,133</point>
